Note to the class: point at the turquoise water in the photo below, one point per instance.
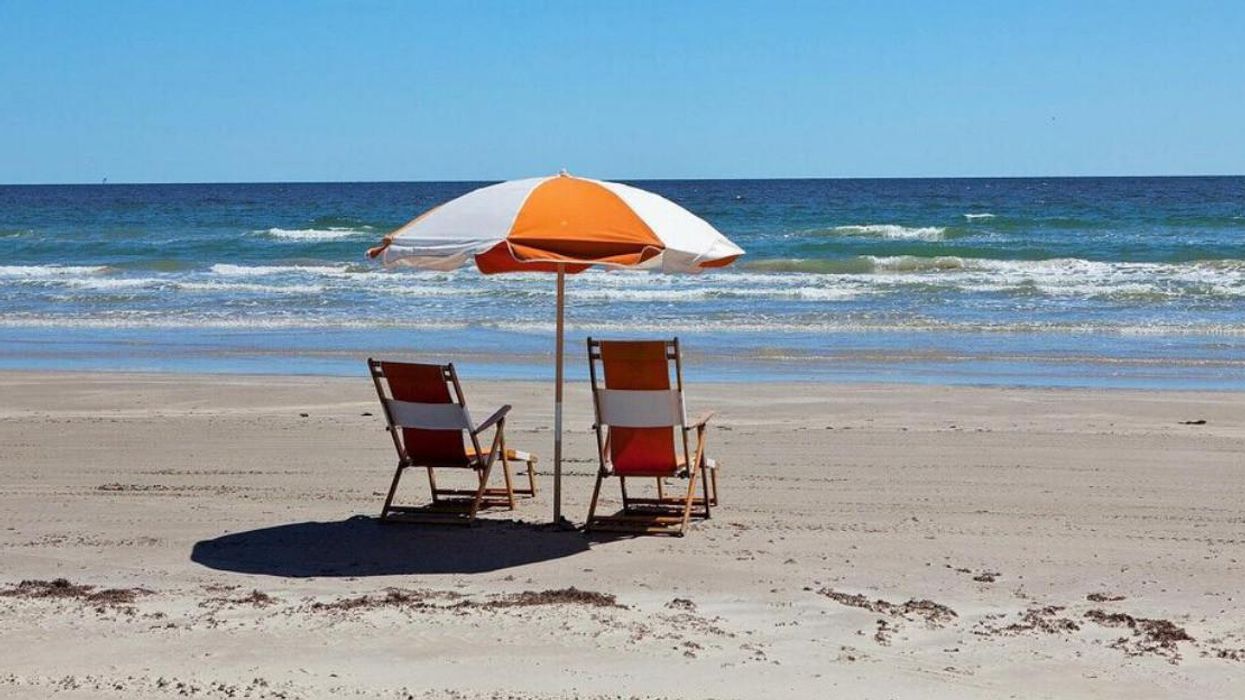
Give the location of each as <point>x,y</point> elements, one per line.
<point>1131,282</point>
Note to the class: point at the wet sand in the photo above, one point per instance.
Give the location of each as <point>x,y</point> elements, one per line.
<point>164,536</point>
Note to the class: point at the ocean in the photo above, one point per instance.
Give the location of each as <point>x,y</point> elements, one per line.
<point>1119,282</point>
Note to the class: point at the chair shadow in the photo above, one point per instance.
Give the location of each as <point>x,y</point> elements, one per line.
<point>363,546</point>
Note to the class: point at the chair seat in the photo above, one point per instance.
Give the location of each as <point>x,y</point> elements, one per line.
<point>679,468</point>
<point>511,455</point>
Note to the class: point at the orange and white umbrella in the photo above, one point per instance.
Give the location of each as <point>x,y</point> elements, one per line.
<point>543,222</point>
<point>559,224</point>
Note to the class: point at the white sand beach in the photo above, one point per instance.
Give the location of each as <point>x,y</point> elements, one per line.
<point>873,541</point>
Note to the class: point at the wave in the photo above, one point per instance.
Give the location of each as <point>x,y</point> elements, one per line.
<point>1228,269</point>
<point>161,284</point>
<point>232,270</point>
<point>332,233</point>
<point>804,292</point>
<point>1055,277</point>
<point>916,325</point>
<point>1071,277</point>
<point>250,287</point>
<point>866,264</point>
<point>846,266</point>
<point>977,217</point>
<point>138,319</point>
<point>860,265</point>
<point>361,273</point>
<point>894,232</point>
<point>51,271</point>
<point>108,284</point>
<point>913,263</point>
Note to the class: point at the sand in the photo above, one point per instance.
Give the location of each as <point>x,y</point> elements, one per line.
<point>214,537</point>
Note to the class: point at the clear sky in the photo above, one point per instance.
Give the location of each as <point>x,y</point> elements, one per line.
<point>260,91</point>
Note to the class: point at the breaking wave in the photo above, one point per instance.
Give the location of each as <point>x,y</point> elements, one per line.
<point>50,271</point>
<point>894,232</point>
<point>332,233</point>
<point>231,270</point>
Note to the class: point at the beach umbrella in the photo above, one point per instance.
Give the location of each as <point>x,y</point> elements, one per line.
<point>559,224</point>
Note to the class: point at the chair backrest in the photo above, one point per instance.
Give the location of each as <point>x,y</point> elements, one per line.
<point>426,412</point>
<point>637,404</point>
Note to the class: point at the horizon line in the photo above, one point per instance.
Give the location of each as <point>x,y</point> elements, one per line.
<point>105,181</point>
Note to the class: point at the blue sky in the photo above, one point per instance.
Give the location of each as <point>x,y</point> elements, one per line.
<point>262,91</point>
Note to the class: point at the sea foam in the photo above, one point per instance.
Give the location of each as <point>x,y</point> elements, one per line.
<point>230,270</point>
<point>50,271</point>
<point>894,232</point>
<point>331,233</point>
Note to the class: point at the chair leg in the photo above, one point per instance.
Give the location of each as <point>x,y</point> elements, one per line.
<point>704,478</point>
<point>622,484</point>
<point>531,477</point>
<point>592,508</point>
<point>479,496</point>
<point>505,468</point>
<point>393,488</point>
<point>687,504</point>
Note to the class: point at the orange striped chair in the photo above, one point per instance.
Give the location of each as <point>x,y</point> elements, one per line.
<point>428,420</point>
<point>643,432</point>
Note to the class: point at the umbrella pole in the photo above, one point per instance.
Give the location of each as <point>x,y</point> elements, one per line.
<point>557,405</point>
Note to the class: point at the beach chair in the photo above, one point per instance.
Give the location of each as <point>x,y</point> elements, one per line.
<point>428,420</point>
<point>642,432</point>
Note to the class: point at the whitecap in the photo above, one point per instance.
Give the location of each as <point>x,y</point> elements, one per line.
<point>332,233</point>
<point>912,263</point>
<point>50,271</point>
<point>802,293</point>
<point>894,231</point>
<point>230,270</point>
<point>250,287</point>
<point>1066,277</point>
<point>976,216</point>
<point>107,284</point>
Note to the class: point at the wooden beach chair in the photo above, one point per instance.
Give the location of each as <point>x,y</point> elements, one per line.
<point>642,432</point>
<point>427,416</point>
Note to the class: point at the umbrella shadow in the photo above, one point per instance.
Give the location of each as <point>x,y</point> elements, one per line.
<point>362,546</point>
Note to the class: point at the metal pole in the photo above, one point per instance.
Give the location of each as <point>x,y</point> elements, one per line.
<point>557,405</point>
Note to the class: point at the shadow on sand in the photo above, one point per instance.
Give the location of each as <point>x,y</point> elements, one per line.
<point>362,546</point>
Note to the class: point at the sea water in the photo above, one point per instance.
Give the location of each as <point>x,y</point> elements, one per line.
<point>1126,282</point>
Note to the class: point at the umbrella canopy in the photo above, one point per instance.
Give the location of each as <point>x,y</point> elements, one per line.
<point>559,224</point>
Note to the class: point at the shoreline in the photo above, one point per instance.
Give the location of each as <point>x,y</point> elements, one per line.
<point>188,377</point>
<point>918,358</point>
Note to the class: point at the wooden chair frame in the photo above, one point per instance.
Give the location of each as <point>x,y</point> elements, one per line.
<point>458,506</point>
<point>663,514</point>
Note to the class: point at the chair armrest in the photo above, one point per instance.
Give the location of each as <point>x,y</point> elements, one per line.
<point>700,421</point>
<point>489,422</point>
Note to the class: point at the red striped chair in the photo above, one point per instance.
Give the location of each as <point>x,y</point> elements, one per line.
<point>428,420</point>
<point>642,432</point>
